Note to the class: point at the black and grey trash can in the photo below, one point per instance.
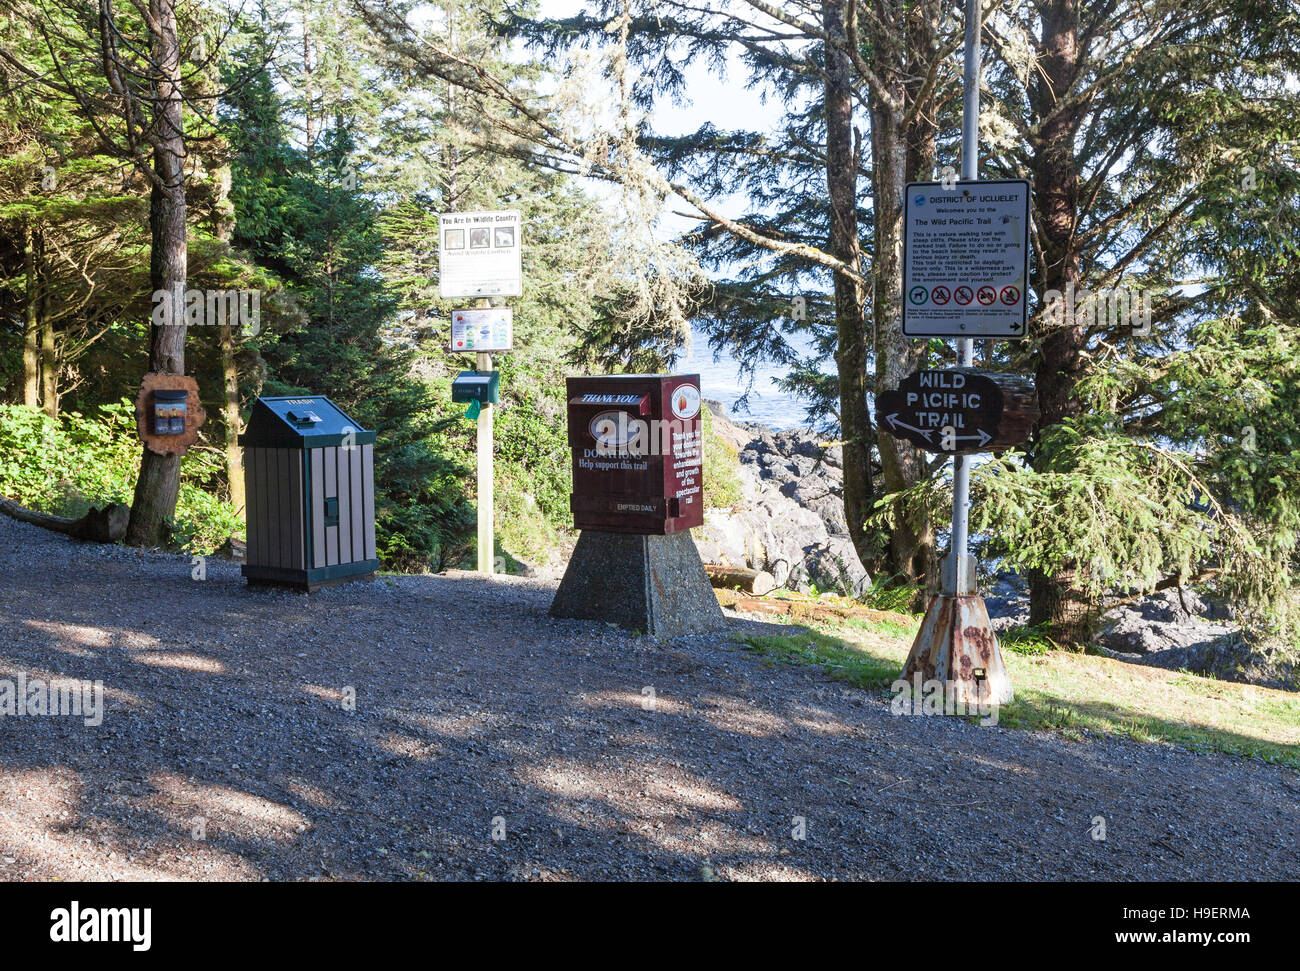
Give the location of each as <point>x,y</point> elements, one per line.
<point>309,478</point>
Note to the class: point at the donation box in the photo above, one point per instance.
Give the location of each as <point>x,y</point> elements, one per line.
<point>637,460</point>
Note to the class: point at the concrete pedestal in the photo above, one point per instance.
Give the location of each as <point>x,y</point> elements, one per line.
<point>956,644</point>
<point>653,584</point>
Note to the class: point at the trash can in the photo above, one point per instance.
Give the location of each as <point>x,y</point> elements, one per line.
<point>309,481</point>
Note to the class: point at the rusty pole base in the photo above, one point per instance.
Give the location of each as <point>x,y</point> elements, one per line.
<point>956,645</point>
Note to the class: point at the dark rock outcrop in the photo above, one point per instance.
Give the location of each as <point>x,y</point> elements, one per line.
<point>792,524</point>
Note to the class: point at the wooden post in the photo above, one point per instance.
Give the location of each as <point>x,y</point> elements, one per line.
<point>486,543</point>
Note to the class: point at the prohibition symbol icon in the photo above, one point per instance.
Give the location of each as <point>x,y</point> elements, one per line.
<point>940,295</point>
<point>963,295</point>
<point>1010,295</point>
<point>987,295</point>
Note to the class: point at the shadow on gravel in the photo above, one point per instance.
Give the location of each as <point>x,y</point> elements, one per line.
<point>231,749</point>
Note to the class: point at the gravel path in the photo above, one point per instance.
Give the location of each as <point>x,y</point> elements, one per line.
<point>227,750</point>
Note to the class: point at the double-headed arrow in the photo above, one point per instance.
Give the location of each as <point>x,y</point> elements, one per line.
<point>895,423</point>
<point>983,437</point>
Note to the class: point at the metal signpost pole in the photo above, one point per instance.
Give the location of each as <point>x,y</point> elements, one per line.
<point>967,259</point>
<point>957,580</point>
<point>486,541</point>
<point>480,254</point>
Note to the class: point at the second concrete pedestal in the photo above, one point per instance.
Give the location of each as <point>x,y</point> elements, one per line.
<point>956,643</point>
<point>654,584</point>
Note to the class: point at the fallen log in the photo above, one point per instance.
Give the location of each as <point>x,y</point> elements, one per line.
<point>103,525</point>
<point>805,609</point>
<point>740,578</point>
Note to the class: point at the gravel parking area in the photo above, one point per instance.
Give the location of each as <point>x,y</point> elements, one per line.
<point>229,749</point>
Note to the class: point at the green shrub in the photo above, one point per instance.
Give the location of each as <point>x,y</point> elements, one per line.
<point>1026,640</point>
<point>722,489</point>
<point>892,594</point>
<point>67,464</point>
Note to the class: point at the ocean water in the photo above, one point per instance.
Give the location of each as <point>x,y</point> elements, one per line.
<point>721,381</point>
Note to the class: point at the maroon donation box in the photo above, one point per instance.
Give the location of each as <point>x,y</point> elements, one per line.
<point>636,442</point>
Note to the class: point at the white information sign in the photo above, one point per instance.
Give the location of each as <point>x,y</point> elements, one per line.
<point>483,330</point>
<point>966,259</point>
<point>480,254</point>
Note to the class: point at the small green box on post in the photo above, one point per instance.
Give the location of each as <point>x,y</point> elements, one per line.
<point>481,386</point>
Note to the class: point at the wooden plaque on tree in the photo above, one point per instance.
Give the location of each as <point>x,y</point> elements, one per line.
<point>144,413</point>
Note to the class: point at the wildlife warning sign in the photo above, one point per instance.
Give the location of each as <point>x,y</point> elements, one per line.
<point>966,259</point>
<point>480,254</point>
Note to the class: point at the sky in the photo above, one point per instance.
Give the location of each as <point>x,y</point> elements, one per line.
<point>712,97</point>
<point>723,101</point>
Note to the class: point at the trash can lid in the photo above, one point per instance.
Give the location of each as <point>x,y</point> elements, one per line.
<point>299,421</point>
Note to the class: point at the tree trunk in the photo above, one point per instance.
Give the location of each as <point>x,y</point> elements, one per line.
<point>31,324</point>
<point>902,147</point>
<point>154,503</point>
<point>308,96</point>
<point>911,542</point>
<point>1057,601</point>
<point>230,417</point>
<point>49,369</point>
<point>850,316</point>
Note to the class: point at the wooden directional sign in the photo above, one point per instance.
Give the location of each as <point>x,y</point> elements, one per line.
<point>960,410</point>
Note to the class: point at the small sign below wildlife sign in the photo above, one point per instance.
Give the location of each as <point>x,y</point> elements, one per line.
<point>480,254</point>
<point>489,329</point>
<point>966,259</point>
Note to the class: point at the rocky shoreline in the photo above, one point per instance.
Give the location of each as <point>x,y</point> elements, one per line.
<point>792,525</point>
<point>792,522</point>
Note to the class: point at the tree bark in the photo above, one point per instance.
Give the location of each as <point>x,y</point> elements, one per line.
<point>154,502</point>
<point>850,314</point>
<point>49,368</point>
<point>1061,607</point>
<point>31,324</point>
<point>911,542</point>
<point>1057,601</point>
<point>230,417</point>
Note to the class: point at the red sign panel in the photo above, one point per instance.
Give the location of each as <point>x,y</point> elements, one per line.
<point>637,458</point>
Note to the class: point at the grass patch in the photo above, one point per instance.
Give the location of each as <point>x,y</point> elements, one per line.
<point>845,661</point>
<point>1151,704</point>
<point>885,628</point>
<point>1068,692</point>
<point>1029,641</point>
